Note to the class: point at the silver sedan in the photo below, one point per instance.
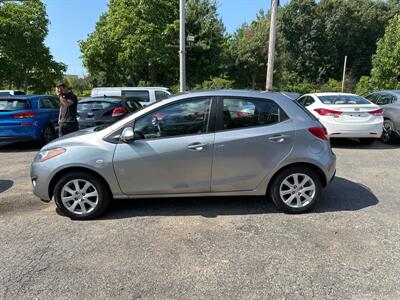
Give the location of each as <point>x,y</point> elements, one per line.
<point>215,143</point>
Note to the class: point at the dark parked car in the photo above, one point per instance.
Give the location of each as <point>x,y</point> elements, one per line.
<point>28,118</point>
<point>390,102</point>
<point>105,111</point>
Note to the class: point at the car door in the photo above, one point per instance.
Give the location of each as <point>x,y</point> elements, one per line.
<point>48,111</point>
<point>252,137</point>
<point>172,152</point>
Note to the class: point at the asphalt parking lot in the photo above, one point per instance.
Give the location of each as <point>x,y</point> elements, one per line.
<point>348,248</point>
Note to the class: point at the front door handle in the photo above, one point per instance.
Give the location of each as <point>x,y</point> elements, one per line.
<point>278,138</point>
<point>197,146</point>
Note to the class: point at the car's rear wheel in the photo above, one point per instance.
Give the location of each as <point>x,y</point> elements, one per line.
<point>367,141</point>
<point>49,134</point>
<point>81,196</point>
<point>389,134</point>
<point>296,189</point>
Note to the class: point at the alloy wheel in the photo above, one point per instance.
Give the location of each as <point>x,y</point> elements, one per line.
<point>297,190</point>
<point>48,134</point>
<point>79,196</point>
<point>387,132</point>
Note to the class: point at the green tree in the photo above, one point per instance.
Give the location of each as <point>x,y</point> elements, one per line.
<point>386,61</point>
<point>135,41</point>
<point>26,62</point>
<point>249,48</point>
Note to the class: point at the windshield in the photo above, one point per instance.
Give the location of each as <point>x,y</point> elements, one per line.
<point>93,105</point>
<point>343,100</point>
<point>13,104</point>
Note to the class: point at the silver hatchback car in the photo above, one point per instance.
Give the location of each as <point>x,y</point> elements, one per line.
<point>212,143</point>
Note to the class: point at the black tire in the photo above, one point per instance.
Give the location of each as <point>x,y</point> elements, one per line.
<point>367,141</point>
<point>275,186</point>
<point>103,197</point>
<point>388,135</point>
<point>49,134</point>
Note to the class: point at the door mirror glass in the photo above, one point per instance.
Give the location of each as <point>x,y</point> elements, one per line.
<point>128,136</point>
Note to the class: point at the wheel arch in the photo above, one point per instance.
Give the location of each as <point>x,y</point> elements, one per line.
<point>314,167</point>
<point>67,170</point>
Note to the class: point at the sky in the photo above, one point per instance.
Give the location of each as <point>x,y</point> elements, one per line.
<point>73,20</point>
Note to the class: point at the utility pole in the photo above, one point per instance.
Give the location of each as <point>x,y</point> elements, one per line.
<point>182,47</point>
<point>271,46</point>
<point>344,72</point>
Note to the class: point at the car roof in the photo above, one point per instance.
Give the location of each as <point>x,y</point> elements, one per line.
<point>130,88</point>
<point>25,97</point>
<point>101,99</point>
<point>395,92</point>
<point>332,94</point>
<point>229,93</point>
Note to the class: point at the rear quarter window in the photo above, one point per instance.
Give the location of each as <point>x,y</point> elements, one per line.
<point>13,104</point>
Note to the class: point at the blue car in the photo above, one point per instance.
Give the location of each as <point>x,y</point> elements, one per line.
<point>28,118</point>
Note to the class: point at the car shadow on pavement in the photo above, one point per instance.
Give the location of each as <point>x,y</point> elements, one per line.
<point>340,195</point>
<point>5,185</point>
<point>19,147</point>
<point>354,144</point>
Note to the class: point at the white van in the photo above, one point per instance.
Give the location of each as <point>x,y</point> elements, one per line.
<point>11,93</point>
<point>145,95</point>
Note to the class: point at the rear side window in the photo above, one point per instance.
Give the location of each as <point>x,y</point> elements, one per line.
<point>141,96</point>
<point>343,100</point>
<point>373,98</point>
<point>306,101</point>
<point>160,95</point>
<point>93,105</point>
<point>244,113</point>
<point>13,104</point>
<point>48,103</point>
<point>133,105</point>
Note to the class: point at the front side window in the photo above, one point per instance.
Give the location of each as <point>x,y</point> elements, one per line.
<point>184,118</point>
<point>141,96</point>
<point>386,99</point>
<point>241,113</point>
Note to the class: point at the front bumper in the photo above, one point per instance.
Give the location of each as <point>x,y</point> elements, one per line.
<point>40,178</point>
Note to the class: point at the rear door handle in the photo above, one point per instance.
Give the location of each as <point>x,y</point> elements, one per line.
<point>279,138</point>
<point>197,146</point>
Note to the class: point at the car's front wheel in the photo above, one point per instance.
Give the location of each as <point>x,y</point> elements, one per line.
<point>296,189</point>
<point>81,196</point>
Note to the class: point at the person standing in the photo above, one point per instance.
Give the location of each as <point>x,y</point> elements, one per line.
<point>68,110</point>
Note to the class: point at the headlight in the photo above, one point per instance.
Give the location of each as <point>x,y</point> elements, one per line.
<point>47,154</point>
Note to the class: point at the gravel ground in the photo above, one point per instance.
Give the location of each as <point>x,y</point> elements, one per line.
<point>348,248</point>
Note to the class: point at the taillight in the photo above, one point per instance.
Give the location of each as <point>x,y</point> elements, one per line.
<point>119,111</point>
<point>378,112</point>
<point>328,112</point>
<point>241,114</point>
<point>319,132</point>
<point>24,115</point>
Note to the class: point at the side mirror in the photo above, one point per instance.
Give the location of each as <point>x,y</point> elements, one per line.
<point>128,135</point>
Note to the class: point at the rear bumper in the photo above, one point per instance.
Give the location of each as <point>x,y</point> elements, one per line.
<point>371,130</point>
<point>19,133</point>
<point>12,139</point>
